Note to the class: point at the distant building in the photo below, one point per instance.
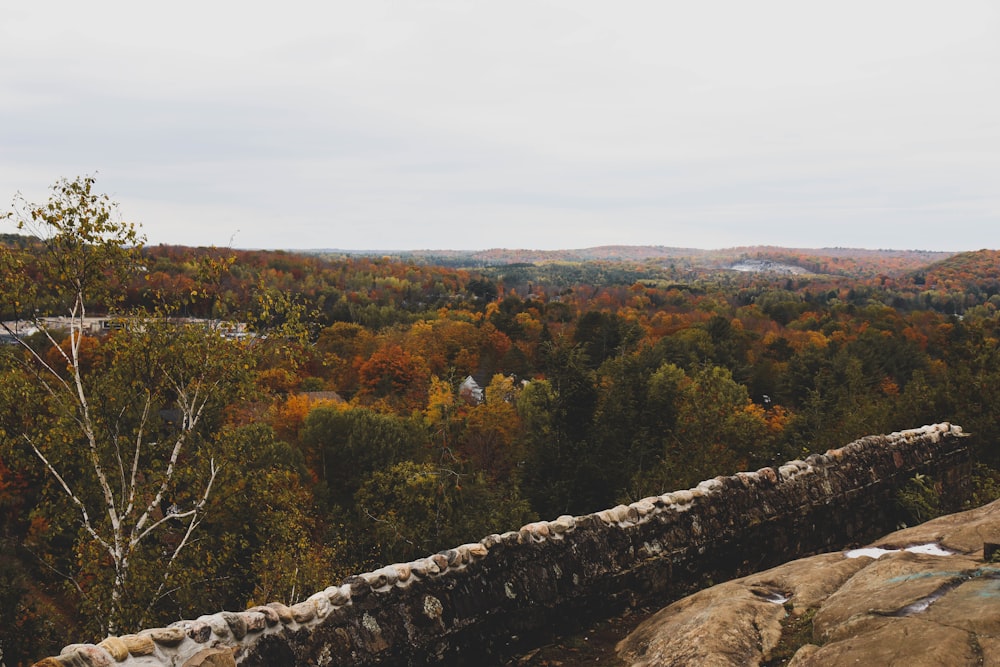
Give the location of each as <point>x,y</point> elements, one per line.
<point>322,396</point>
<point>99,325</point>
<point>11,331</point>
<point>470,391</point>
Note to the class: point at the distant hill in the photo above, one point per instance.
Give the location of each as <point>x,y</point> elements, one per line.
<point>851,262</point>
<point>966,271</point>
<point>944,268</point>
<point>491,256</point>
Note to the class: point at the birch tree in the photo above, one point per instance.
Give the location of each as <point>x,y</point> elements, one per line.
<point>119,419</point>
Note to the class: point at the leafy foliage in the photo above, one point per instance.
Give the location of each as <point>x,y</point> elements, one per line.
<point>919,500</point>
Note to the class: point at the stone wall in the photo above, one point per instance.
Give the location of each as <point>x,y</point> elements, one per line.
<point>484,601</point>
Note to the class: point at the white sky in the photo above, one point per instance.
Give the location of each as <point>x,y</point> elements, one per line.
<point>543,124</point>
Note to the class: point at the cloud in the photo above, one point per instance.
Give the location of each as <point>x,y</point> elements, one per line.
<point>546,124</point>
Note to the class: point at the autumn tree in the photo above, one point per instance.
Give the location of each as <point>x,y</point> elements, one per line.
<point>602,335</point>
<point>352,443</point>
<point>345,346</point>
<point>491,439</point>
<point>563,471</point>
<point>395,378</point>
<point>414,508</point>
<point>716,429</point>
<point>636,412</point>
<point>119,429</point>
<point>263,531</point>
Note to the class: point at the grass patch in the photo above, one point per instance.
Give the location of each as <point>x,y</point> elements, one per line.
<point>796,631</point>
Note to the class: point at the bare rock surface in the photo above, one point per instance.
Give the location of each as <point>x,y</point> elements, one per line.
<point>724,625</point>
<point>883,606</point>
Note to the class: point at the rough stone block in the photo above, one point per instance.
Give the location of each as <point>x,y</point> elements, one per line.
<point>166,636</point>
<point>139,644</point>
<point>115,647</point>
<point>211,657</point>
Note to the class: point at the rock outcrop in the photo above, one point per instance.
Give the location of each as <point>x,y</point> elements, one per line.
<point>918,597</point>
<point>484,601</point>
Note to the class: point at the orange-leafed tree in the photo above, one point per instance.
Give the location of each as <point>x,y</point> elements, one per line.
<point>491,442</point>
<point>395,378</point>
<point>288,416</point>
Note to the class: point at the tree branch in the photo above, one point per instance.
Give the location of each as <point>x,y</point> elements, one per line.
<point>68,577</point>
<point>195,521</point>
<point>86,423</point>
<point>132,486</point>
<point>76,500</point>
<point>37,357</point>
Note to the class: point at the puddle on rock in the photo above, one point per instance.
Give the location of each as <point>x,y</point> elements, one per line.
<point>922,604</point>
<point>878,552</point>
<point>770,596</point>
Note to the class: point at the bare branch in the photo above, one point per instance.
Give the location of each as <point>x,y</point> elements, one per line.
<point>76,500</point>
<point>115,437</point>
<point>164,484</point>
<point>195,521</point>
<point>95,461</point>
<point>132,486</point>
<point>394,525</point>
<point>169,516</point>
<point>68,577</point>
<point>191,416</point>
<point>37,357</point>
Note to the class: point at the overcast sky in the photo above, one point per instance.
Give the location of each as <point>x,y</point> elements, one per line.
<point>542,124</point>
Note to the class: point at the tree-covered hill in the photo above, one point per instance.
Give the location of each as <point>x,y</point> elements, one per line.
<point>978,270</point>
<point>849,262</point>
